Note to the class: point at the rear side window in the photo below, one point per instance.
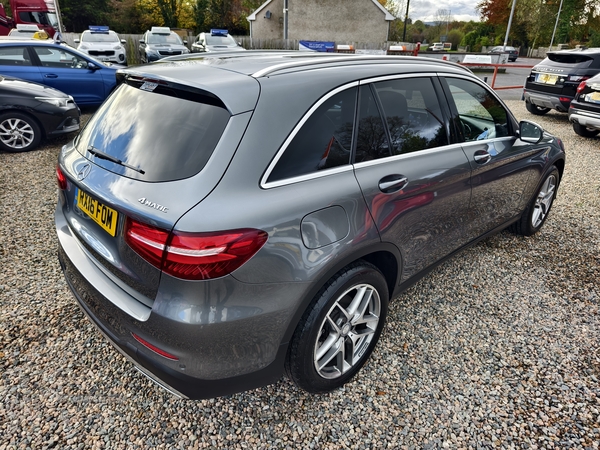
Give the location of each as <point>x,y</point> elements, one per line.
<point>167,137</point>
<point>323,142</point>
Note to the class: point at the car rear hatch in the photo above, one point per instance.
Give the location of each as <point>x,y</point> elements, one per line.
<point>561,72</point>
<point>151,152</point>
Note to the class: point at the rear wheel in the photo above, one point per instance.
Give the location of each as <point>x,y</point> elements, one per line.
<point>18,132</point>
<point>537,110</point>
<point>583,131</point>
<point>538,209</point>
<point>339,330</point>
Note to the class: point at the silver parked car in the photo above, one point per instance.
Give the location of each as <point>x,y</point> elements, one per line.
<point>227,219</point>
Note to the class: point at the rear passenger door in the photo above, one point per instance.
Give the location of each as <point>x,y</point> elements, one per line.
<point>499,161</point>
<point>415,183</point>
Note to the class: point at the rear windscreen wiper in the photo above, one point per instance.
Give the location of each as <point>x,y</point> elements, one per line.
<point>101,155</point>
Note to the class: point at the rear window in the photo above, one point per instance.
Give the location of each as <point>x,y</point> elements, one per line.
<point>166,137</point>
<point>562,58</point>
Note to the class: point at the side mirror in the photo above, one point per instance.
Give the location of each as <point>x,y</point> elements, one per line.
<point>530,132</point>
<point>76,41</point>
<point>123,41</point>
<point>142,41</point>
<point>92,66</point>
<point>185,42</point>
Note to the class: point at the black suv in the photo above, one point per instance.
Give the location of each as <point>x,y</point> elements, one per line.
<point>552,84</point>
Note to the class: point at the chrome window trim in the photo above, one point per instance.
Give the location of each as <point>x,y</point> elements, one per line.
<point>388,159</point>
<point>267,185</point>
<point>395,77</point>
<point>479,81</point>
<point>310,176</point>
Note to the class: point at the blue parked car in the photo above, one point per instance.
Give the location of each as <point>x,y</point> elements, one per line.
<point>86,79</point>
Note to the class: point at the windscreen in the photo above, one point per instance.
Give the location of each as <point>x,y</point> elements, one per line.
<point>220,40</point>
<point>42,17</point>
<point>164,135</point>
<point>99,37</point>
<point>164,39</point>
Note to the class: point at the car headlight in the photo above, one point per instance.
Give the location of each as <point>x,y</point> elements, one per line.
<point>186,50</point>
<point>83,47</point>
<point>117,47</point>
<point>60,102</point>
<point>152,52</point>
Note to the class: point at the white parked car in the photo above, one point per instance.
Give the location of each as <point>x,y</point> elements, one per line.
<point>103,44</point>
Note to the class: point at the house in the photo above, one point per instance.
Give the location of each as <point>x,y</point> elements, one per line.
<point>322,20</point>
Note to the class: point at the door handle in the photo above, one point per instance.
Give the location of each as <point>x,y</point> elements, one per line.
<point>482,157</point>
<point>50,75</point>
<point>392,183</point>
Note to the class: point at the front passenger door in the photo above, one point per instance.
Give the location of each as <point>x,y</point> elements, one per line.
<point>68,72</point>
<point>498,160</point>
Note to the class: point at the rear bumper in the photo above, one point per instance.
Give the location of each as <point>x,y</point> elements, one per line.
<point>584,118</point>
<point>546,100</point>
<point>232,351</point>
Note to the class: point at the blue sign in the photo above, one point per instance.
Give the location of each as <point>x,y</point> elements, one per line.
<point>99,28</point>
<point>317,46</point>
<point>217,32</point>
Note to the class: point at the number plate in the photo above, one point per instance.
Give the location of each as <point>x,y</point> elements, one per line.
<point>547,78</point>
<point>101,214</point>
<point>593,97</point>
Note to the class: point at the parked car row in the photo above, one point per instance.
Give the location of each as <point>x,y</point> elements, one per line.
<point>567,81</point>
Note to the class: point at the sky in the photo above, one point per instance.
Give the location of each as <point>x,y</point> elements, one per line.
<point>426,10</point>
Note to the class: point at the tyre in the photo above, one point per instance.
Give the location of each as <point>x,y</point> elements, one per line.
<point>339,330</point>
<point>537,110</point>
<point>583,131</point>
<point>18,132</point>
<point>538,209</point>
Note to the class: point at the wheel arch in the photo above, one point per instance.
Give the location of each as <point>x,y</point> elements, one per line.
<point>385,256</point>
<point>27,113</point>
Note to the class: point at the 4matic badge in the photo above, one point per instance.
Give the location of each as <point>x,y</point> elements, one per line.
<point>144,201</point>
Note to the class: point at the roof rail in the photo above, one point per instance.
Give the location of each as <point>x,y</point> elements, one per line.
<point>341,58</point>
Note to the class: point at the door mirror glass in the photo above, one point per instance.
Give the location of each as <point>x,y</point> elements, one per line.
<point>530,132</point>
<point>93,66</point>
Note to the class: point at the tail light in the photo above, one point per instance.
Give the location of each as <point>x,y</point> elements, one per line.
<point>61,179</point>
<point>194,256</point>
<point>581,87</point>
<point>578,77</point>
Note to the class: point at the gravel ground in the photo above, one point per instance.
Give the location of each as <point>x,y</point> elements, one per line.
<point>497,348</point>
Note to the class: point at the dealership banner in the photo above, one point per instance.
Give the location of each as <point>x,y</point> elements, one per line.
<point>316,46</point>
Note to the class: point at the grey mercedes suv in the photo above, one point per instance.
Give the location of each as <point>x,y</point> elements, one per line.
<point>227,218</point>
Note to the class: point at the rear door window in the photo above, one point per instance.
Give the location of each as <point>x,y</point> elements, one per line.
<point>163,135</point>
<point>412,113</point>
<point>14,56</point>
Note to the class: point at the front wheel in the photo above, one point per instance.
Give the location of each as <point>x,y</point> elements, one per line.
<point>538,209</point>
<point>18,132</point>
<point>339,330</point>
<point>537,110</point>
<point>583,131</point>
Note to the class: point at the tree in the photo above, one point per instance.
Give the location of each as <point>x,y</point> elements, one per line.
<point>228,14</point>
<point>78,15</point>
<point>169,10</point>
